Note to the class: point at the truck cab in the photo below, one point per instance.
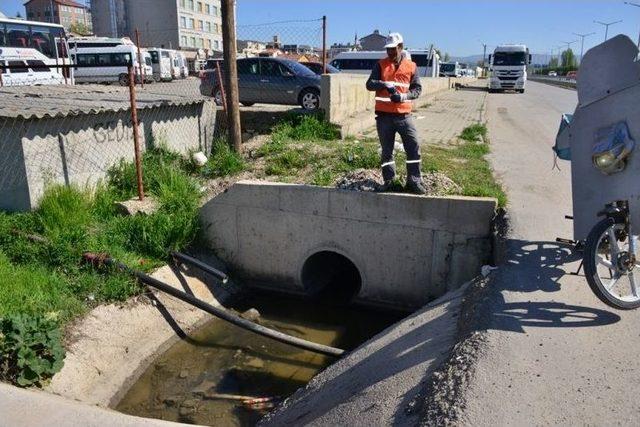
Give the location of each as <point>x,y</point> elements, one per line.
<point>509,68</point>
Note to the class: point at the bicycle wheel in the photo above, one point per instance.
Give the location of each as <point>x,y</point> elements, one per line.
<point>612,271</point>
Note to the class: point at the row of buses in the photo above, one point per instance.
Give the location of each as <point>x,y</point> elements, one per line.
<point>30,52</point>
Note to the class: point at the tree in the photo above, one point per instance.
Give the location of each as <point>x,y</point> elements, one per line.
<point>553,62</point>
<point>569,59</point>
<point>80,29</point>
<point>446,57</point>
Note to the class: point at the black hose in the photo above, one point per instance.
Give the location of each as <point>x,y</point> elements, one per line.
<point>218,312</point>
<point>201,265</point>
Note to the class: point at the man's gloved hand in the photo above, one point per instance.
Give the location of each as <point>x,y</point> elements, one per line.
<point>390,88</point>
<point>398,97</point>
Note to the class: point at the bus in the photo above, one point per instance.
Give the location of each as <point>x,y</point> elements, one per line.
<point>41,40</point>
<point>80,42</point>
<point>362,62</point>
<point>105,64</point>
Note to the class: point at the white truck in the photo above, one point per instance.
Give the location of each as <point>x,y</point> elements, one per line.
<point>509,68</point>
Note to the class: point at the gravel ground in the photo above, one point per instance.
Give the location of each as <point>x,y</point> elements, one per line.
<point>437,184</point>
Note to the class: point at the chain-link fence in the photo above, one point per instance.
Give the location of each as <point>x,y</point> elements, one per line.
<point>278,63</point>
<point>71,124</point>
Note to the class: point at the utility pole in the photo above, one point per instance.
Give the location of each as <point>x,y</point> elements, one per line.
<point>582,37</point>
<point>229,47</point>
<point>484,54</point>
<point>607,25</point>
<point>636,5</point>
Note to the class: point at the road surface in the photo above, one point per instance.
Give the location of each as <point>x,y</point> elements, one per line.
<point>555,354</point>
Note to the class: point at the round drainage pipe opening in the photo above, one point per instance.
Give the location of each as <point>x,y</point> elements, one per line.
<point>331,277</point>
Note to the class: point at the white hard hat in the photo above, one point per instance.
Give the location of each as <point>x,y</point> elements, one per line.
<point>393,40</point>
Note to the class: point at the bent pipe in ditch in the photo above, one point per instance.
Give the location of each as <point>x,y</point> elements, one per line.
<point>199,264</point>
<point>97,259</point>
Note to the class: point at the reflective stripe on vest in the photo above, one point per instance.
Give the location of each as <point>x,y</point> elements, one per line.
<point>401,80</point>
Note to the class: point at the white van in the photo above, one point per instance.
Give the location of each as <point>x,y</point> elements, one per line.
<point>147,67</point>
<point>178,65</point>
<point>28,68</point>
<point>105,64</point>
<point>162,65</point>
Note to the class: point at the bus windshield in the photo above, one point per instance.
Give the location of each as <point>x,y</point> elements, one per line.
<point>46,39</point>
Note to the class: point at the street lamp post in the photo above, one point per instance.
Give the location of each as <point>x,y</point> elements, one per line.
<point>607,25</point>
<point>582,37</point>
<point>636,5</point>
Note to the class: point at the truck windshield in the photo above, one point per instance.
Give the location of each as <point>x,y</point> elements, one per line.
<point>510,58</point>
<point>448,67</point>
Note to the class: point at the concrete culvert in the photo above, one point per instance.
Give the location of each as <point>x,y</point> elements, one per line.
<point>331,277</point>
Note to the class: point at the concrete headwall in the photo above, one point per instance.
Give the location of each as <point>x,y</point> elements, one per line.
<point>346,102</point>
<point>407,249</point>
<point>81,149</point>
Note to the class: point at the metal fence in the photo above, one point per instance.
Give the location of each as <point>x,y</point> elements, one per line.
<point>75,133</point>
<point>58,126</point>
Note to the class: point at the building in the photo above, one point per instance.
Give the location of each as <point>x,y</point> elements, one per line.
<point>191,25</point>
<point>74,16</point>
<point>374,41</point>
<point>248,48</point>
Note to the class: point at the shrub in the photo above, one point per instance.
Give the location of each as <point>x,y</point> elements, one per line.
<point>474,133</point>
<point>30,349</point>
<point>223,161</point>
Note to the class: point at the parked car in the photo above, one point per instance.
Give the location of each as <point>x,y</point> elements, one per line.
<point>553,74</point>
<point>316,67</point>
<point>572,75</point>
<point>269,81</point>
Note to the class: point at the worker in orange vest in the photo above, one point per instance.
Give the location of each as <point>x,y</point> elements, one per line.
<point>396,83</point>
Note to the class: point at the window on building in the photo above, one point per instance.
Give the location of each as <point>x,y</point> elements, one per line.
<point>191,23</point>
<point>200,25</point>
<point>216,45</point>
<point>183,41</point>
<point>182,3</point>
<point>207,27</point>
<point>192,42</point>
<point>215,10</point>
<point>207,9</point>
<point>183,22</point>
<point>200,7</point>
<point>190,4</point>
<point>201,43</point>
<point>216,28</point>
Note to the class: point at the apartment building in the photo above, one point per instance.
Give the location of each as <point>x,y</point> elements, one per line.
<point>192,25</point>
<point>70,14</point>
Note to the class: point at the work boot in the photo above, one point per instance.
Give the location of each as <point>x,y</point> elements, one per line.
<point>391,185</point>
<point>416,187</point>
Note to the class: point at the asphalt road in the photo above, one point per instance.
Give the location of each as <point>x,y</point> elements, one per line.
<point>555,354</point>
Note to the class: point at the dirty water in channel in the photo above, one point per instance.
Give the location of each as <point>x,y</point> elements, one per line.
<point>206,378</point>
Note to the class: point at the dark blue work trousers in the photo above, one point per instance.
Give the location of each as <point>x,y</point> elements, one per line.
<point>387,125</point>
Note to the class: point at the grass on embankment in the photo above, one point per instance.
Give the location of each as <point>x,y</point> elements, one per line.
<point>466,164</point>
<point>44,285</point>
<point>305,149</point>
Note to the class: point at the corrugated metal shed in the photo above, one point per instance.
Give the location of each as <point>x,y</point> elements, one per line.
<point>38,102</point>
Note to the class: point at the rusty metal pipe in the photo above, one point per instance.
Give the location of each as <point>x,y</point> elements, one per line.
<point>99,259</point>
<point>199,264</point>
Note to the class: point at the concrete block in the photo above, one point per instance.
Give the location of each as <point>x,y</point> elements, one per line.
<point>404,247</point>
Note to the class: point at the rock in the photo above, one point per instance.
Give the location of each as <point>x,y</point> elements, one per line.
<point>361,180</point>
<point>202,388</point>
<point>186,411</point>
<point>184,374</point>
<point>171,401</point>
<point>199,159</point>
<point>252,314</point>
<point>254,362</point>
<point>135,206</point>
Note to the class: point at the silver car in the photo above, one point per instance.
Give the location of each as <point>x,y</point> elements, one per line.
<point>268,81</point>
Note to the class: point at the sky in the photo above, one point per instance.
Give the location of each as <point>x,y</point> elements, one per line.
<point>455,26</point>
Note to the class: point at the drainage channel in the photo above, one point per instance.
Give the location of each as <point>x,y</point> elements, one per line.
<point>226,376</point>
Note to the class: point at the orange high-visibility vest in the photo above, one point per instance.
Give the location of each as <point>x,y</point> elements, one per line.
<point>400,78</point>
